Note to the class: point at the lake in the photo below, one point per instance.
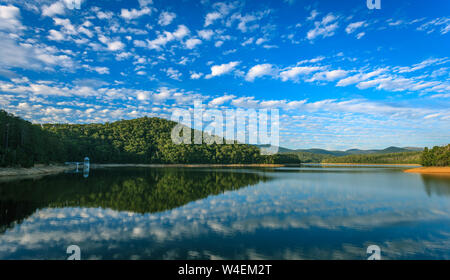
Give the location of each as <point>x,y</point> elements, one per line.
<point>309,212</point>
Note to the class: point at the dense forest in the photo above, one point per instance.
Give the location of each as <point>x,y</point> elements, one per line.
<point>147,140</point>
<point>143,140</point>
<point>390,158</point>
<point>437,156</point>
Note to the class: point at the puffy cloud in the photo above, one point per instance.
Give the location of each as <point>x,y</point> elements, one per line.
<point>57,8</point>
<point>313,15</point>
<point>9,18</point>
<point>134,13</point>
<point>205,34</point>
<point>55,35</point>
<point>292,73</point>
<point>181,32</point>
<point>218,70</point>
<point>353,26</point>
<point>191,43</point>
<point>221,100</point>
<point>112,45</point>
<point>211,17</point>
<point>324,28</point>
<point>328,75</point>
<point>195,75</point>
<point>259,71</point>
<point>165,18</point>
<point>173,74</point>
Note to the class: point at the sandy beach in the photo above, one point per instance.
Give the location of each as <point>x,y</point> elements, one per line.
<point>430,170</point>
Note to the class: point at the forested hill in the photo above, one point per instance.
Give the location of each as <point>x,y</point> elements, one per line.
<point>143,140</point>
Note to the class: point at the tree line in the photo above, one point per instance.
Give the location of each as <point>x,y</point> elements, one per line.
<point>437,156</point>
<point>390,158</point>
<point>142,140</point>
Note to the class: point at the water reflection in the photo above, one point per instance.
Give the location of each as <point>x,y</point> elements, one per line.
<point>134,190</point>
<point>209,214</point>
<point>436,184</point>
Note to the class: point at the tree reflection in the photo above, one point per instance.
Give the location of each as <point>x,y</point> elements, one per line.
<point>436,184</point>
<point>134,190</point>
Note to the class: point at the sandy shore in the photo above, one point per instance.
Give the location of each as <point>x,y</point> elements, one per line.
<point>430,170</point>
<point>374,164</point>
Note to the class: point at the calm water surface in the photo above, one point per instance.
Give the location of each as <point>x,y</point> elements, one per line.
<point>283,213</point>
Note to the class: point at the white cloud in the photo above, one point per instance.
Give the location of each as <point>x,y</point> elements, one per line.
<point>353,26</point>
<point>166,37</point>
<point>55,35</point>
<point>324,28</point>
<point>220,100</point>
<point>115,45</point>
<point>173,73</point>
<point>423,64</point>
<point>259,71</point>
<point>191,43</point>
<point>359,78</point>
<point>9,18</point>
<point>220,11</point>
<point>292,73</point>
<point>218,70</point>
<point>211,17</point>
<point>196,76</point>
<point>104,15</point>
<point>101,70</point>
<point>328,75</point>
<point>57,8</point>
<point>112,45</point>
<point>134,13</point>
<point>165,18</point>
<point>313,15</point>
<point>205,34</point>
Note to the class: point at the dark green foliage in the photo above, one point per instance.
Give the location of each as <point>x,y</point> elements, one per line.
<point>143,140</point>
<point>307,157</point>
<point>145,190</point>
<point>283,159</point>
<point>437,156</point>
<point>22,143</point>
<point>391,158</point>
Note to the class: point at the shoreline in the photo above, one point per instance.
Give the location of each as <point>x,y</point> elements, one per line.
<point>43,170</point>
<point>40,170</point>
<point>32,172</point>
<point>112,165</point>
<point>374,164</point>
<point>430,170</point>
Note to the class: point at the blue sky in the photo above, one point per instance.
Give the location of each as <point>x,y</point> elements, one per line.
<point>342,75</point>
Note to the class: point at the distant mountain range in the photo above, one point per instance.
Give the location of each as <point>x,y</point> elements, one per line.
<point>350,152</point>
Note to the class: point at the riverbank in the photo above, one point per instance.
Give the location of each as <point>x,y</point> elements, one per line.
<point>36,171</point>
<point>41,170</point>
<point>430,170</point>
<point>374,164</point>
<point>111,165</point>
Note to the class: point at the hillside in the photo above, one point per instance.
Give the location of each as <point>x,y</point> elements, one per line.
<point>389,158</point>
<point>143,140</point>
